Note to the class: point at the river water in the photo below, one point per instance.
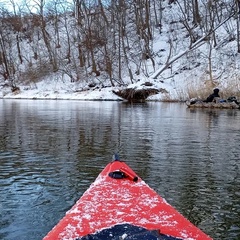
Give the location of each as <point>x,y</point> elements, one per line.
<point>51,151</point>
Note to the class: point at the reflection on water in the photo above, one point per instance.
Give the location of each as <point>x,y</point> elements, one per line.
<point>51,151</point>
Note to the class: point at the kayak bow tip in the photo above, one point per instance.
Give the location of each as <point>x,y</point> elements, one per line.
<point>116,157</point>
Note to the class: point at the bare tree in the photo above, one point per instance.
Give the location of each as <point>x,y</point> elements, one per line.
<point>17,24</point>
<point>158,13</point>
<point>196,14</point>
<point>109,37</point>
<point>3,55</point>
<point>197,44</point>
<point>238,24</point>
<point>6,47</point>
<point>40,5</point>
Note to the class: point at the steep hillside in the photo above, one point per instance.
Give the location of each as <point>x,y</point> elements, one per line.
<point>184,48</point>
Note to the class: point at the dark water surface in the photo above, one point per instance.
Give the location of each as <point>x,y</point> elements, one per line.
<point>51,151</point>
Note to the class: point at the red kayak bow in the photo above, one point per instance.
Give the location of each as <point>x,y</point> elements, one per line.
<point>120,199</point>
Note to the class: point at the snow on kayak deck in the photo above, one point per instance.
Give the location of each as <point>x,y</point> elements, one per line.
<point>110,201</point>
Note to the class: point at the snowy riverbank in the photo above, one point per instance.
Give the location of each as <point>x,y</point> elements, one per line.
<point>74,91</point>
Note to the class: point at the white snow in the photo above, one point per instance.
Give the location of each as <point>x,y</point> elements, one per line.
<point>189,72</point>
<point>69,91</point>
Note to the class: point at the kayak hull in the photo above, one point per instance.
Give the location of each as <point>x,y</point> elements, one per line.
<point>112,200</point>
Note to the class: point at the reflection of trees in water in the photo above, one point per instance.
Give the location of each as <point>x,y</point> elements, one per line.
<point>3,139</point>
<point>85,134</point>
<point>188,200</point>
<point>228,217</point>
<point>120,131</point>
<point>28,129</point>
<point>191,157</point>
<point>221,167</point>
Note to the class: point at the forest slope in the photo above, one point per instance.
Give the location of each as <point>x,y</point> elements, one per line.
<point>84,50</point>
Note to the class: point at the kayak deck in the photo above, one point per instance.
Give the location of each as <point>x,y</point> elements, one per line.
<point>118,196</point>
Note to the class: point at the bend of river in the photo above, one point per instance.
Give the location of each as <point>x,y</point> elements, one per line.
<point>51,151</point>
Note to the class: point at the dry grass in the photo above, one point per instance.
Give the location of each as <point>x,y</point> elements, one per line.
<point>166,97</point>
<point>232,88</point>
<point>201,90</point>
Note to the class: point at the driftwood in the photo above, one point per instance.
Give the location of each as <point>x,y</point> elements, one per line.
<point>200,104</point>
<point>136,95</point>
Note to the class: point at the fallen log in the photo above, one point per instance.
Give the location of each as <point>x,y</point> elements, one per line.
<point>136,95</point>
